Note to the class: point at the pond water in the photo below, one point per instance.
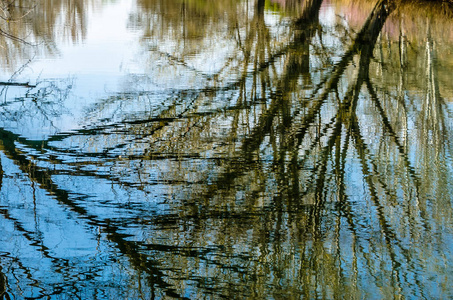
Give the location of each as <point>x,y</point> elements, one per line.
<point>256,149</point>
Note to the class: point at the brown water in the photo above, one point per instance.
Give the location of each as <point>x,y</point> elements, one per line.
<point>226,149</point>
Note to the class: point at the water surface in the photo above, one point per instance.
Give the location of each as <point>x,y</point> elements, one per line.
<point>226,149</point>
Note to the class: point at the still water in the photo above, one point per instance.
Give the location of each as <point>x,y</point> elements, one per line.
<point>242,149</point>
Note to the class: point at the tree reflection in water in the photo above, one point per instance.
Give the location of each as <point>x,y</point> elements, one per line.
<point>292,170</point>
